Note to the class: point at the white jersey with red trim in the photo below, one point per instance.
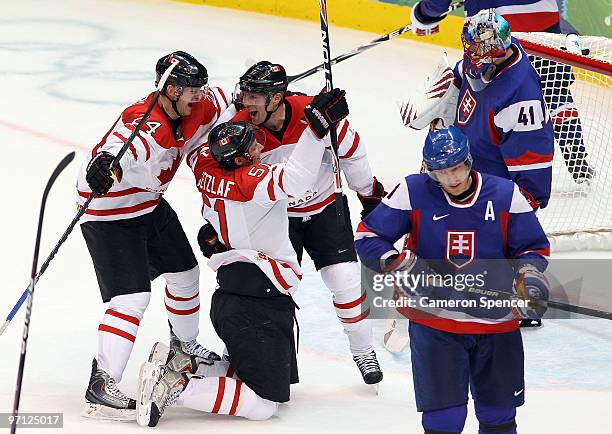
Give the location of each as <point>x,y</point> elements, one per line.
<point>248,208</point>
<point>152,159</point>
<point>353,158</point>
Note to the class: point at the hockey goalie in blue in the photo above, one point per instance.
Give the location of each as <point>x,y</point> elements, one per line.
<point>461,222</point>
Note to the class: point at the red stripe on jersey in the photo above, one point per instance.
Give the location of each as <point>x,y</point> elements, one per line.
<point>175,298</point>
<point>315,206</point>
<point>343,132</point>
<point>94,151</point>
<point>412,240</point>
<point>532,21</point>
<point>234,406</point>
<point>118,193</point>
<point>355,318</point>
<point>280,180</point>
<point>271,186</point>
<point>543,252</point>
<point>220,392</point>
<point>298,275</point>
<point>116,331</point>
<point>350,304</point>
<point>222,95</point>
<point>146,146</point>
<point>230,371</point>
<point>493,131</point>
<point>504,218</point>
<point>528,157</point>
<point>354,147</point>
<point>183,311</point>
<point>124,210</point>
<point>277,274</point>
<point>123,316</point>
<point>361,227</point>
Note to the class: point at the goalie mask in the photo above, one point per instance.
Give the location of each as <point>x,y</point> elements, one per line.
<point>485,37</point>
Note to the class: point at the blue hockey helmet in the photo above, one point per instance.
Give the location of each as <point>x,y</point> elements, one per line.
<point>446,148</point>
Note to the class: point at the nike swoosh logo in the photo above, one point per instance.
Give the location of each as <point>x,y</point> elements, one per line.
<point>342,251</point>
<point>517,393</point>
<point>436,218</point>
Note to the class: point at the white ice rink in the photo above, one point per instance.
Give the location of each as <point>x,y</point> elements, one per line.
<point>68,68</point>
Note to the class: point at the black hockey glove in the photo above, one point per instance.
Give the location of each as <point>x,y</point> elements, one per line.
<point>326,109</point>
<point>371,201</point>
<point>208,240</point>
<point>99,175</point>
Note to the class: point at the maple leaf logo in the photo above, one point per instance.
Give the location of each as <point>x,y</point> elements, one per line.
<point>166,175</point>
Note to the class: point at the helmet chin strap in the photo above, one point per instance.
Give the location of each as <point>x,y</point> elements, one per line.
<point>173,102</point>
<point>269,114</point>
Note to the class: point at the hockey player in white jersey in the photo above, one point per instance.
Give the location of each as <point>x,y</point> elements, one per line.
<point>132,233</point>
<point>262,91</point>
<point>245,202</point>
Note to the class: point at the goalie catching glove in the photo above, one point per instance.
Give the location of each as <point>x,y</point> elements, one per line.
<point>436,105</point>
<point>99,175</point>
<point>326,109</point>
<point>208,240</point>
<point>531,284</point>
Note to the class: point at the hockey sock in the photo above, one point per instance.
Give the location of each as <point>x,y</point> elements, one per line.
<point>117,332</point>
<point>446,421</point>
<point>224,395</point>
<point>494,419</point>
<point>183,303</point>
<point>220,368</point>
<point>344,281</point>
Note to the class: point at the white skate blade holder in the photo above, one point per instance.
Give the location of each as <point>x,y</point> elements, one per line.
<point>103,412</point>
<point>149,375</point>
<point>396,337</point>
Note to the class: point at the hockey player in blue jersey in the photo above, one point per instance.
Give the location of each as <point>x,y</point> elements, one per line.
<point>493,95</point>
<point>462,219</point>
<point>528,16</point>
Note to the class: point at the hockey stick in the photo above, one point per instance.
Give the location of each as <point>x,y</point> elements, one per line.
<point>26,323</point>
<point>333,134</point>
<point>362,48</point>
<point>559,305</point>
<point>83,208</point>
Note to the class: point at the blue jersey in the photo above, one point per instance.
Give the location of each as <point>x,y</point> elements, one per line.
<point>497,223</point>
<point>508,125</point>
<point>522,15</point>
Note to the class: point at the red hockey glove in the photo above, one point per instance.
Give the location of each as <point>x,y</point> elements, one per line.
<point>371,201</point>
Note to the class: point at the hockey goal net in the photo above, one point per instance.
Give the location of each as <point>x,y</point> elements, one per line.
<point>576,84</point>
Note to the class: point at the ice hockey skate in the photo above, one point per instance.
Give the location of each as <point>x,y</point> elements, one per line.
<point>175,359</point>
<point>369,367</point>
<point>192,348</point>
<point>158,388</point>
<point>104,400</point>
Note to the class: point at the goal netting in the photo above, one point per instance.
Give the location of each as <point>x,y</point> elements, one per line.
<point>576,81</point>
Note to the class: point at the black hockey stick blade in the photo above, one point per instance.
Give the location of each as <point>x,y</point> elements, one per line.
<point>26,325</point>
